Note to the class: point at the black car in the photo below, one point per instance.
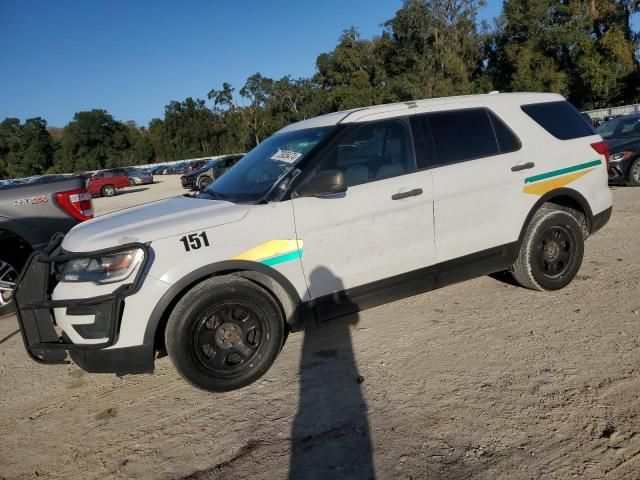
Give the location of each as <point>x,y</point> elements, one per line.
<point>199,179</point>
<point>623,136</point>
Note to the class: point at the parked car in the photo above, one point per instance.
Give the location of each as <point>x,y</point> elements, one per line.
<point>29,216</point>
<point>106,183</point>
<point>326,217</point>
<point>623,136</point>
<point>200,179</point>
<point>137,176</point>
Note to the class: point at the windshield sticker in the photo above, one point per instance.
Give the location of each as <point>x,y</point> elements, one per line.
<point>286,156</point>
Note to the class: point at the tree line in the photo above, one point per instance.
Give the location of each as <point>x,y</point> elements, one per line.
<point>583,49</point>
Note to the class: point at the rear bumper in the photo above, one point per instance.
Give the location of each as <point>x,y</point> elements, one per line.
<point>600,220</point>
<point>45,344</point>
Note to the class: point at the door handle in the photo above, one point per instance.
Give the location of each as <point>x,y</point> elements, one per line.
<point>524,166</point>
<point>411,193</point>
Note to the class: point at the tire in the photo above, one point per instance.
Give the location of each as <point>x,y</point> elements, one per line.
<point>551,251</point>
<point>634,174</point>
<point>132,182</point>
<point>108,191</point>
<point>204,182</point>
<point>13,255</point>
<point>224,334</point>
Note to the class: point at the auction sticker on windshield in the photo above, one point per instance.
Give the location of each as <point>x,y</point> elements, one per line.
<point>286,156</point>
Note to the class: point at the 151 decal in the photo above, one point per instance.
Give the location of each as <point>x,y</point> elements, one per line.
<point>194,241</point>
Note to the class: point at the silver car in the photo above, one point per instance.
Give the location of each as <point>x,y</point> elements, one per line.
<point>139,177</point>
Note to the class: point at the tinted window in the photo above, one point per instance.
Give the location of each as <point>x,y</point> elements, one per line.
<point>623,127</point>
<point>560,119</point>
<point>462,135</point>
<point>507,140</point>
<point>373,151</point>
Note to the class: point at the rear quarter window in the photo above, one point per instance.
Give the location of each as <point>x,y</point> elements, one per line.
<point>560,119</point>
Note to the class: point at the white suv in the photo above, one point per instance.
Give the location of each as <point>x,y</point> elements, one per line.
<point>328,216</point>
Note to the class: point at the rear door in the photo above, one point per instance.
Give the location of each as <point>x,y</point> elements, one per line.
<point>382,227</point>
<point>478,198</point>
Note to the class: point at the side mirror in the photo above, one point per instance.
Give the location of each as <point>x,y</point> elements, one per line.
<point>328,182</point>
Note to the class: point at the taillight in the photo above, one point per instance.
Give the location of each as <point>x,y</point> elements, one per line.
<point>603,149</point>
<point>76,203</point>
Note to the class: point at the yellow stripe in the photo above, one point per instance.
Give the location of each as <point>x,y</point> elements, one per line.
<point>540,188</point>
<point>270,249</point>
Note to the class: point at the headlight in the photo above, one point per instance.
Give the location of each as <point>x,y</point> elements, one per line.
<point>616,157</point>
<point>110,268</point>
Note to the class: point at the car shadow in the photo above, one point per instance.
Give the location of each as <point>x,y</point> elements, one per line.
<point>131,190</point>
<point>330,435</point>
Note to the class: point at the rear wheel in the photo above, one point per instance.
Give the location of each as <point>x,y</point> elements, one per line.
<point>132,182</point>
<point>108,191</point>
<point>634,174</point>
<point>224,333</point>
<point>551,251</point>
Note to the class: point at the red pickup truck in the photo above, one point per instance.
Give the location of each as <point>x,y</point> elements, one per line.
<point>105,183</point>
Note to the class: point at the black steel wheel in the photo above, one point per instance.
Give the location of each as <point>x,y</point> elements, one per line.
<point>551,251</point>
<point>229,336</point>
<point>224,333</point>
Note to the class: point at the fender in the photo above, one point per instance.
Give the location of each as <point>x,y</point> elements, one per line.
<point>16,228</point>
<point>560,192</point>
<point>173,295</point>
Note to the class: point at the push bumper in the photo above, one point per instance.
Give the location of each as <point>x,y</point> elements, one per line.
<point>618,170</point>
<point>45,344</point>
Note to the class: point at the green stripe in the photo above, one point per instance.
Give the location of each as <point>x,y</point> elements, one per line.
<point>562,171</point>
<point>282,258</point>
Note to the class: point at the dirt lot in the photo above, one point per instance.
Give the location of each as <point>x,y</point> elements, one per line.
<point>478,380</point>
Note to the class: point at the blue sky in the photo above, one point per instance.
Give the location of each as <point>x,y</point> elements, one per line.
<point>132,57</point>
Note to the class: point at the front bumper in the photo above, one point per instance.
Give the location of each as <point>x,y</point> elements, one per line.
<point>618,171</point>
<point>38,327</point>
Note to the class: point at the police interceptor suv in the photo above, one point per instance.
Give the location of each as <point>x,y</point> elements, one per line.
<point>328,216</point>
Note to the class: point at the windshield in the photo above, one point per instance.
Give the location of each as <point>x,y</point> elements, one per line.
<point>623,127</point>
<point>254,175</point>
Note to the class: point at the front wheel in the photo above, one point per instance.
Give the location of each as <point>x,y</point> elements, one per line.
<point>634,174</point>
<point>108,191</point>
<point>224,333</point>
<point>551,251</point>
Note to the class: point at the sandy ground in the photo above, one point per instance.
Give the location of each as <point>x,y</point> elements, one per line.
<point>478,380</point>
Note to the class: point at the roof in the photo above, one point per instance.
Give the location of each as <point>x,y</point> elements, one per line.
<point>390,110</point>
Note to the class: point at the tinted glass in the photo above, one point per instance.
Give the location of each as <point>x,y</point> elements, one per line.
<point>560,119</point>
<point>623,127</point>
<point>373,151</point>
<point>462,135</point>
<point>507,140</point>
<point>253,176</point>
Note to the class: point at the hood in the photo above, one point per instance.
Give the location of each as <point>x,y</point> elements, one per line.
<point>152,221</point>
<point>621,144</point>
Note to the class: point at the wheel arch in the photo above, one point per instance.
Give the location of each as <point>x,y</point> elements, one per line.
<point>562,197</point>
<point>294,311</point>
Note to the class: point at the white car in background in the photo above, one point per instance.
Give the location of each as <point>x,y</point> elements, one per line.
<point>328,216</point>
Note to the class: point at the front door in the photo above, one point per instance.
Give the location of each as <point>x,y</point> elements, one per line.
<point>380,228</point>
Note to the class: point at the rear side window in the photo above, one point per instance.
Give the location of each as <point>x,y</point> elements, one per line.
<point>560,119</point>
<point>461,135</point>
